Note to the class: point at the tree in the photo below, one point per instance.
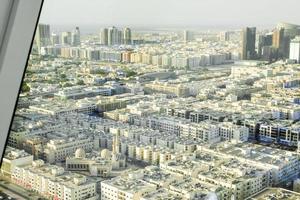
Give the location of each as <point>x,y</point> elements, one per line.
<point>130,73</point>
<point>25,87</point>
<point>100,71</point>
<point>67,84</point>
<point>63,76</point>
<point>80,82</point>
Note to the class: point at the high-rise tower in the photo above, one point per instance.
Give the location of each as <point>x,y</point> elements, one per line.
<point>104,36</point>
<point>295,49</point>
<point>114,36</point>
<point>187,36</point>
<point>127,36</point>
<point>278,41</point>
<point>42,37</point>
<point>54,39</point>
<point>248,43</point>
<point>76,37</point>
<point>66,38</point>
<point>263,41</point>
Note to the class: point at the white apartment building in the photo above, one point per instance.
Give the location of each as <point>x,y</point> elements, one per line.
<point>240,179</point>
<point>283,165</point>
<point>58,149</point>
<point>230,131</point>
<point>127,188</point>
<point>176,89</point>
<point>81,92</point>
<point>275,193</point>
<point>53,182</point>
<point>295,49</point>
<point>208,131</point>
<point>14,158</point>
<point>57,108</point>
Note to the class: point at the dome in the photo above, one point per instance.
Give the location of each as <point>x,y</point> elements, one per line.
<point>80,153</point>
<point>105,153</point>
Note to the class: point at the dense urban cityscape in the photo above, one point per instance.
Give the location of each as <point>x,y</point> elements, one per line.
<point>162,114</point>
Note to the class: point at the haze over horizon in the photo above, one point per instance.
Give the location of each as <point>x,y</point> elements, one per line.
<point>168,13</point>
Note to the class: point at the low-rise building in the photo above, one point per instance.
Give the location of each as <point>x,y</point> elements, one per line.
<point>14,158</point>
<point>52,181</point>
<point>58,150</point>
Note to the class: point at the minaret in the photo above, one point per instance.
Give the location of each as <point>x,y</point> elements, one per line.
<point>116,144</point>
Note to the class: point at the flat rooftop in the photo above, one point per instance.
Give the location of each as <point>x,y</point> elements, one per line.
<point>275,194</point>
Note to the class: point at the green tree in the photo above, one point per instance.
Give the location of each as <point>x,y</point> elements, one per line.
<point>80,82</point>
<point>100,71</point>
<point>25,87</point>
<point>130,73</point>
<point>67,84</point>
<point>63,76</point>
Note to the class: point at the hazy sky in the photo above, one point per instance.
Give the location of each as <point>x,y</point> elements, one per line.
<point>180,13</point>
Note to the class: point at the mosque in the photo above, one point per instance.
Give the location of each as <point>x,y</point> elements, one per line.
<point>101,164</point>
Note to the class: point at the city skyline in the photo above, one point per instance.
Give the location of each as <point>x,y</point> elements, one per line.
<point>158,113</point>
<point>187,14</point>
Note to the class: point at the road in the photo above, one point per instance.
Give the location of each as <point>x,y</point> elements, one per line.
<point>12,192</point>
<point>9,195</point>
<point>16,191</point>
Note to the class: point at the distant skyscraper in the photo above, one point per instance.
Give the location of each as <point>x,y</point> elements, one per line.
<point>187,36</point>
<point>269,53</point>
<point>66,38</point>
<point>120,39</point>
<point>76,37</point>
<point>263,41</point>
<point>104,36</point>
<point>290,30</point>
<point>278,41</point>
<point>114,36</point>
<point>278,35</point>
<point>248,43</point>
<point>295,49</point>
<point>224,36</point>
<point>127,36</point>
<point>42,37</point>
<point>54,39</point>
